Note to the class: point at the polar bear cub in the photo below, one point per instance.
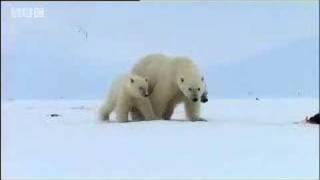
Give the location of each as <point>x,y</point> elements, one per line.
<point>128,92</point>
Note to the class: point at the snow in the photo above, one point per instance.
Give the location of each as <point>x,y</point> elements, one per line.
<point>242,138</point>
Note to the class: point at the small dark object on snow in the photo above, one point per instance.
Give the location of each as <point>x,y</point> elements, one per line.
<point>54,115</point>
<point>314,119</point>
<point>257,99</point>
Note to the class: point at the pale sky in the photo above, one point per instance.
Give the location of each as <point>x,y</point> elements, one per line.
<point>269,48</point>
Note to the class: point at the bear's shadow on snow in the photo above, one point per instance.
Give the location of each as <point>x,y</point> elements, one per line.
<point>186,120</point>
<point>157,120</point>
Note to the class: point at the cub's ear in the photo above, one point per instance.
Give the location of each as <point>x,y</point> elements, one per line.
<point>182,79</point>
<point>132,81</point>
<point>202,78</point>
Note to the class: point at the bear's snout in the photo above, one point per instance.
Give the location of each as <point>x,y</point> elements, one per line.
<point>146,95</point>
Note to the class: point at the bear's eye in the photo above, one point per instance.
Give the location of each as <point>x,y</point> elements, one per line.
<point>198,89</point>
<point>190,89</point>
<point>181,79</point>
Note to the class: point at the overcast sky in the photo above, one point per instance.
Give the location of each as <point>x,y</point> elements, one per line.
<point>267,48</point>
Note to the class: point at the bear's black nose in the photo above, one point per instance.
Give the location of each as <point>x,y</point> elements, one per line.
<point>195,99</point>
<point>146,95</point>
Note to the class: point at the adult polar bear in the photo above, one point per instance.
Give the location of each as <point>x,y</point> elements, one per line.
<point>172,80</point>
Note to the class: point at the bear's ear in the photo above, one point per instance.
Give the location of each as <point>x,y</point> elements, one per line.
<point>202,78</point>
<point>132,81</point>
<point>182,79</point>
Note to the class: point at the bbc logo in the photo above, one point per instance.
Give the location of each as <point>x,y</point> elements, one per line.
<point>27,12</point>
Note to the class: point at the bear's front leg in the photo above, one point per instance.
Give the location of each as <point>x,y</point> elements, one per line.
<point>169,111</point>
<point>192,110</point>
<point>136,114</point>
<point>145,108</point>
<point>122,112</point>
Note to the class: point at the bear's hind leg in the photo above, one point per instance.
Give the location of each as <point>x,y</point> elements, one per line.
<point>106,109</point>
<point>145,108</point>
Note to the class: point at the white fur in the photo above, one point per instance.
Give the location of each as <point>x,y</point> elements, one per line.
<point>165,76</point>
<point>127,93</point>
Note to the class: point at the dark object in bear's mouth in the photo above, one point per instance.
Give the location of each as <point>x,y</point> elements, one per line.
<point>204,100</point>
<point>314,119</point>
<point>204,97</point>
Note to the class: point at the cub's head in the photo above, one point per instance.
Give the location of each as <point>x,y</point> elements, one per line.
<point>192,87</point>
<point>138,86</point>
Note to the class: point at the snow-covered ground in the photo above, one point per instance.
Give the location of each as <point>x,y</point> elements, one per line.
<point>241,139</point>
